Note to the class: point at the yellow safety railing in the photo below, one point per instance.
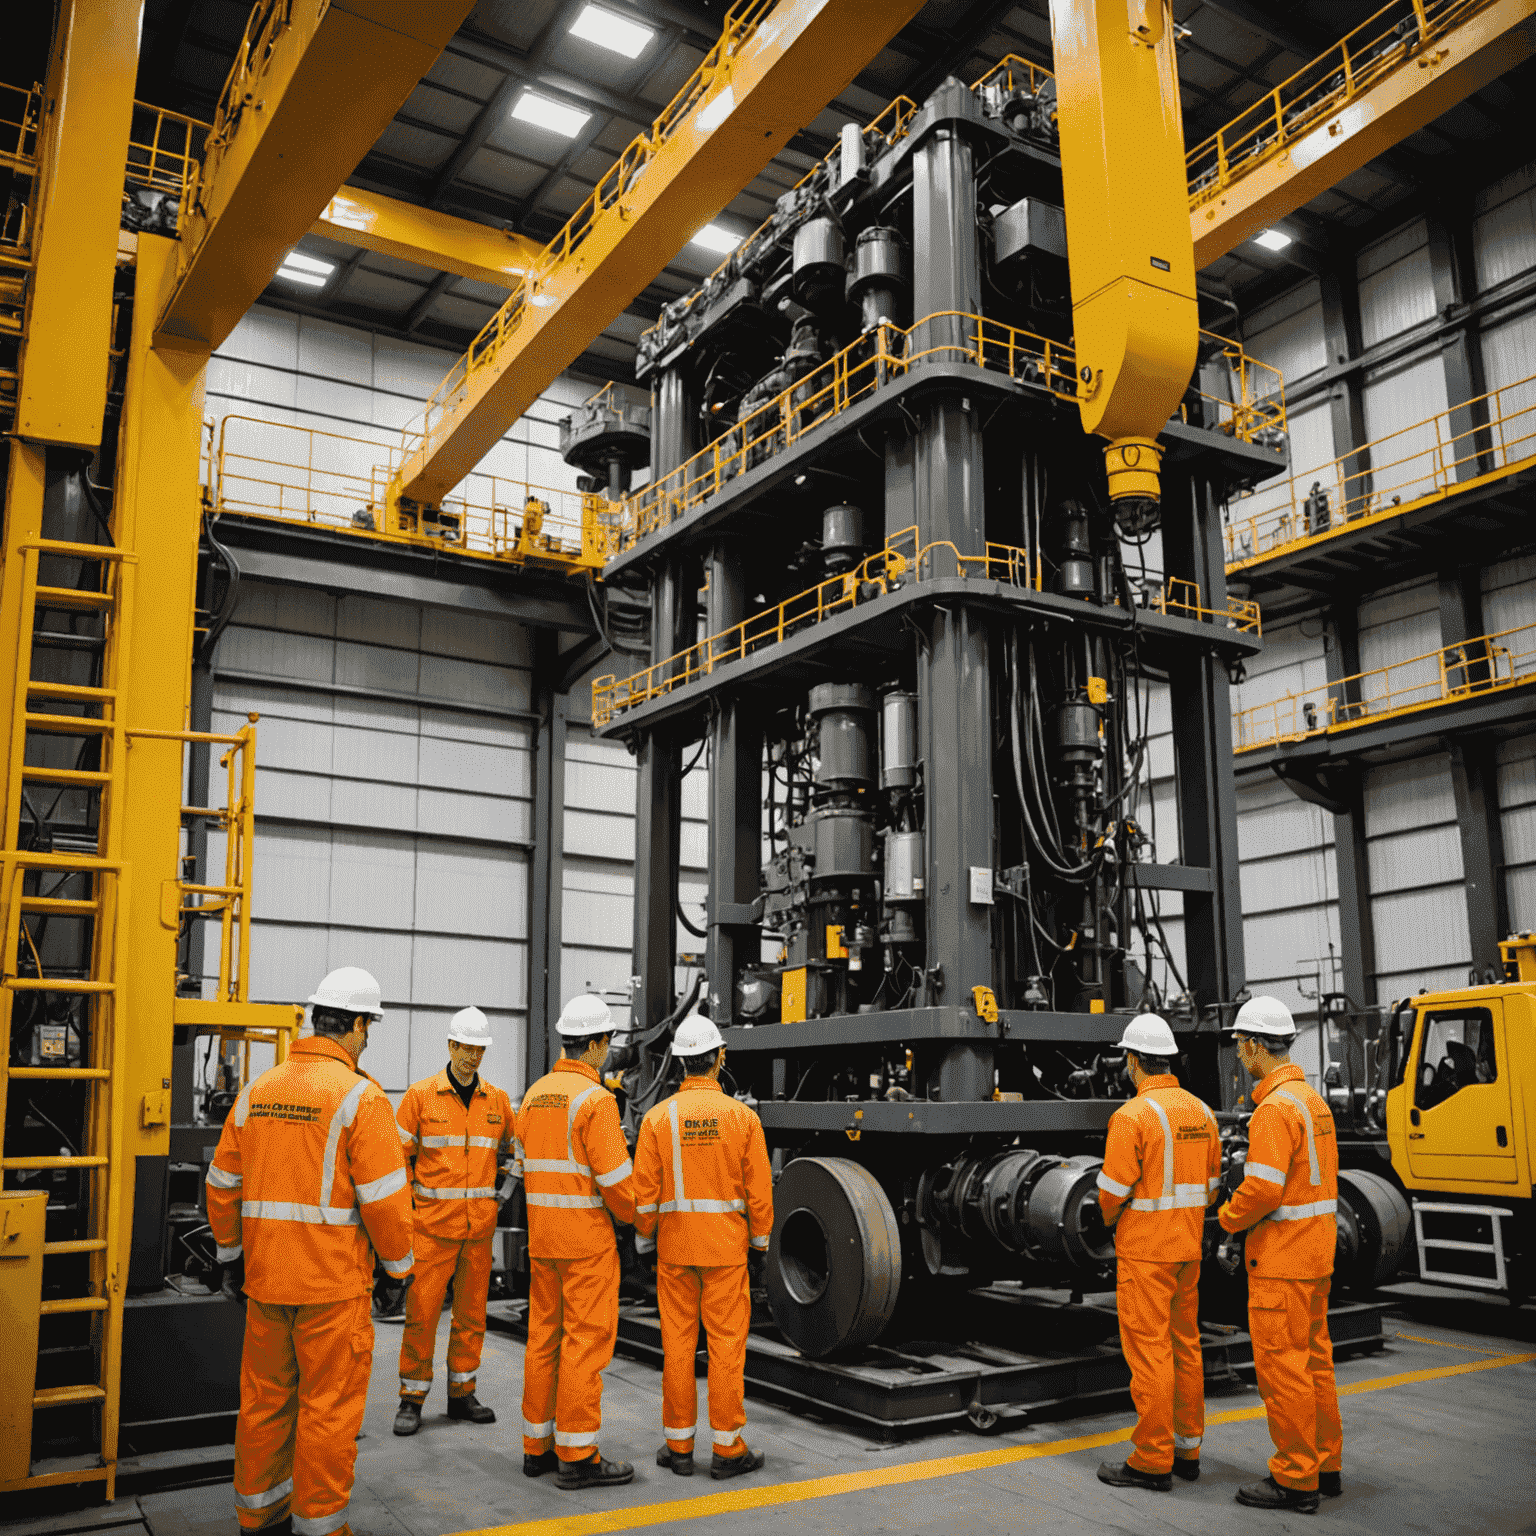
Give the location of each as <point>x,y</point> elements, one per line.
<point>1427,461</point>
<point>903,559</point>
<point>852,375</point>
<point>741,22</point>
<point>1359,60</point>
<point>164,150</point>
<point>21,113</point>
<point>306,475</point>
<point>1487,664</point>
<point>1255,407</point>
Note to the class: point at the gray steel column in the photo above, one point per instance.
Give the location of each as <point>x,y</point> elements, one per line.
<point>1454,275</point>
<point>1357,932</point>
<point>953,673</point>
<point>735,799</point>
<point>547,875</point>
<point>1475,777</point>
<point>1346,398</point>
<point>1200,700</point>
<point>658,789</point>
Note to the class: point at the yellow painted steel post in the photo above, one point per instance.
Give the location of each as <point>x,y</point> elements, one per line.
<point>158,510</point>
<point>88,109</point>
<point>1128,242</point>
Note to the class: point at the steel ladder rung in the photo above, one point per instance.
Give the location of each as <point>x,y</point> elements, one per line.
<point>75,1245</point>
<point>61,1397</point>
<point>62,1074</point>
<point>82,691</point>
<point>83,778</point>
<point>60,906</point>
<point>73,600</point>
<point>69,725</point>
<point>45,1164</point>
<point>77,984</point>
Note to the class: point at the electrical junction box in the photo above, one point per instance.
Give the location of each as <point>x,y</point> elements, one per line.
<point>21,1299</point>
<point>1030,229</point>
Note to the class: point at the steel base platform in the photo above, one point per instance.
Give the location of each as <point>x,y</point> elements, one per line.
<point>1026,1356</point>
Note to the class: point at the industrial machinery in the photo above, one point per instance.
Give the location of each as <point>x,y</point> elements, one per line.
<point>930,632</point>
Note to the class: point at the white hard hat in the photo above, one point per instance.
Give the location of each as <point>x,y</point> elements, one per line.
<point>1148,1035</point>
<point>349,989</point>
<point>696,1036</point>
<point>1266,1016</point>
<point>585,1015</point>
<point>470,1027</point>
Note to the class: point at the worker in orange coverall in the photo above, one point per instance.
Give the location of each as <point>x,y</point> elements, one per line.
<point>1286,1205</point>
<point>704,1201</point>
<point>574,1162</point>
<point>456,1131</point>
<point>308,1182</point>
<point>1162,1168</point>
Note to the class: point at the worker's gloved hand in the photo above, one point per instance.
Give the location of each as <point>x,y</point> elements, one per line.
<point>1230,1254</point>
<point>232,1280</point>
<point>757,1267</point>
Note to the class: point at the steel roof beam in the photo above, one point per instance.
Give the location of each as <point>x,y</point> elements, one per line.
<point>286,136</point>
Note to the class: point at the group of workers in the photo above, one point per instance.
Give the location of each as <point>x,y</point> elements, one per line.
<point>314,1177</point>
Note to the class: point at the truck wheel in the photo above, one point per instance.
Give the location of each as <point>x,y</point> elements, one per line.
<point>1375,1229</point>
<point>834,1262</point>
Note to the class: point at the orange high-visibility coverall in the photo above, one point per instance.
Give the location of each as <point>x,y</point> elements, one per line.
<point>454,1153</point>
<point>1286,1203</point>
<point>574,1162</point>
<point>1162,1168</point>
<point>703,1197</point>
<point>308,1181</point>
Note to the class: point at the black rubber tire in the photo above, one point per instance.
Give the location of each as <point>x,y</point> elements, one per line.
<point>834,1262</point>
<point>1384,1221</point>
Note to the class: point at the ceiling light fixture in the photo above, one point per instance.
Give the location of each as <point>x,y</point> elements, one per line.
<point>613,32</point>
<point>1272,239</point>
<point>305,270</point>
<point>553,115</point>
<point>713,238</point>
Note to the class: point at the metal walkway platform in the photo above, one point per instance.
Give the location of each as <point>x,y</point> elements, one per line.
<point>1031,1358</point>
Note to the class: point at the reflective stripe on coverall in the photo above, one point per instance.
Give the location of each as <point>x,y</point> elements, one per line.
<point>575,1163</point>
<point>703,1197</point>
<point>308,1181</point>
<point>1286,1202</point>
<point>1162,1168</point>
<point>454,1153</point>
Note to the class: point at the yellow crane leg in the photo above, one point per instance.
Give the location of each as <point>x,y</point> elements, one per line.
<point>1428,82</point>
<point>312,89</point>
<point>372,222</point>
<point>756,95</point>
<point>76,209</point>
<point>1134,313</point>
<point>157,514</point>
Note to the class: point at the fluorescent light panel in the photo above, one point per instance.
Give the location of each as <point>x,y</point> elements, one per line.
<point>1272,239</point>
<point>553,115</point>
<point>308,279</point>
<point>308,263</point>
<point>713,238</point>
<point>612,32</point>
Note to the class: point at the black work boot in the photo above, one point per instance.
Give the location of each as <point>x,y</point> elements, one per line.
<point>1187,1468</point>
<point>594,1472</point>
<point>470,1409</point>
<point>1330,1484</point>
<point>735,1466</point>
<point>408,1418</point>
<point>1270,1495</point>
<point>1124,1475</point>
<point>681,1462</point>
<point>537,1466</point>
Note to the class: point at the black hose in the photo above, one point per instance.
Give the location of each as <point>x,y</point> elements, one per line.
<point>226,611</point>
<point>682,917</point>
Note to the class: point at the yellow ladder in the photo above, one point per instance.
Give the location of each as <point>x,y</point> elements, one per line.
<point>86,883</point>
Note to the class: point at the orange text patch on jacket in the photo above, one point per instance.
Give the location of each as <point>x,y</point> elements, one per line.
<point>309,1179</point>
<point>1162,1167</point>
<point>1290,1186</point>
<point>574,1162</point>
<point>703,1186</point>
<point>454,1153</point>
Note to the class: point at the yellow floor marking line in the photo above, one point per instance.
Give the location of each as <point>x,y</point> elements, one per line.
<point>771,1495</point>
<point>1471,1349</point>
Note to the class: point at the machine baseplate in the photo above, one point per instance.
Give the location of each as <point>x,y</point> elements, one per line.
<point>1003,1374</point>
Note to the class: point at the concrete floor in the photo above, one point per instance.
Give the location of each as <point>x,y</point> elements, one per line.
<point>1442,1454</point>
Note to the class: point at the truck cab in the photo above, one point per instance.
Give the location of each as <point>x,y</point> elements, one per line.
<point>1460,1111</point>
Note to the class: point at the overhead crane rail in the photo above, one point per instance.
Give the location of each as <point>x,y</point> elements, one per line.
<point>324,479</point>
<point>1464,447</point>
<point>1256,410</point>
<point>1488,664</point>
<point>902,560</point>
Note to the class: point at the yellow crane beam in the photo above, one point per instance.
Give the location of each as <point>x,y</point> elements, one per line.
<point>311,90</point>
<point>372,222</point>
<point>775,67</point>
<point>1394,74</point>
